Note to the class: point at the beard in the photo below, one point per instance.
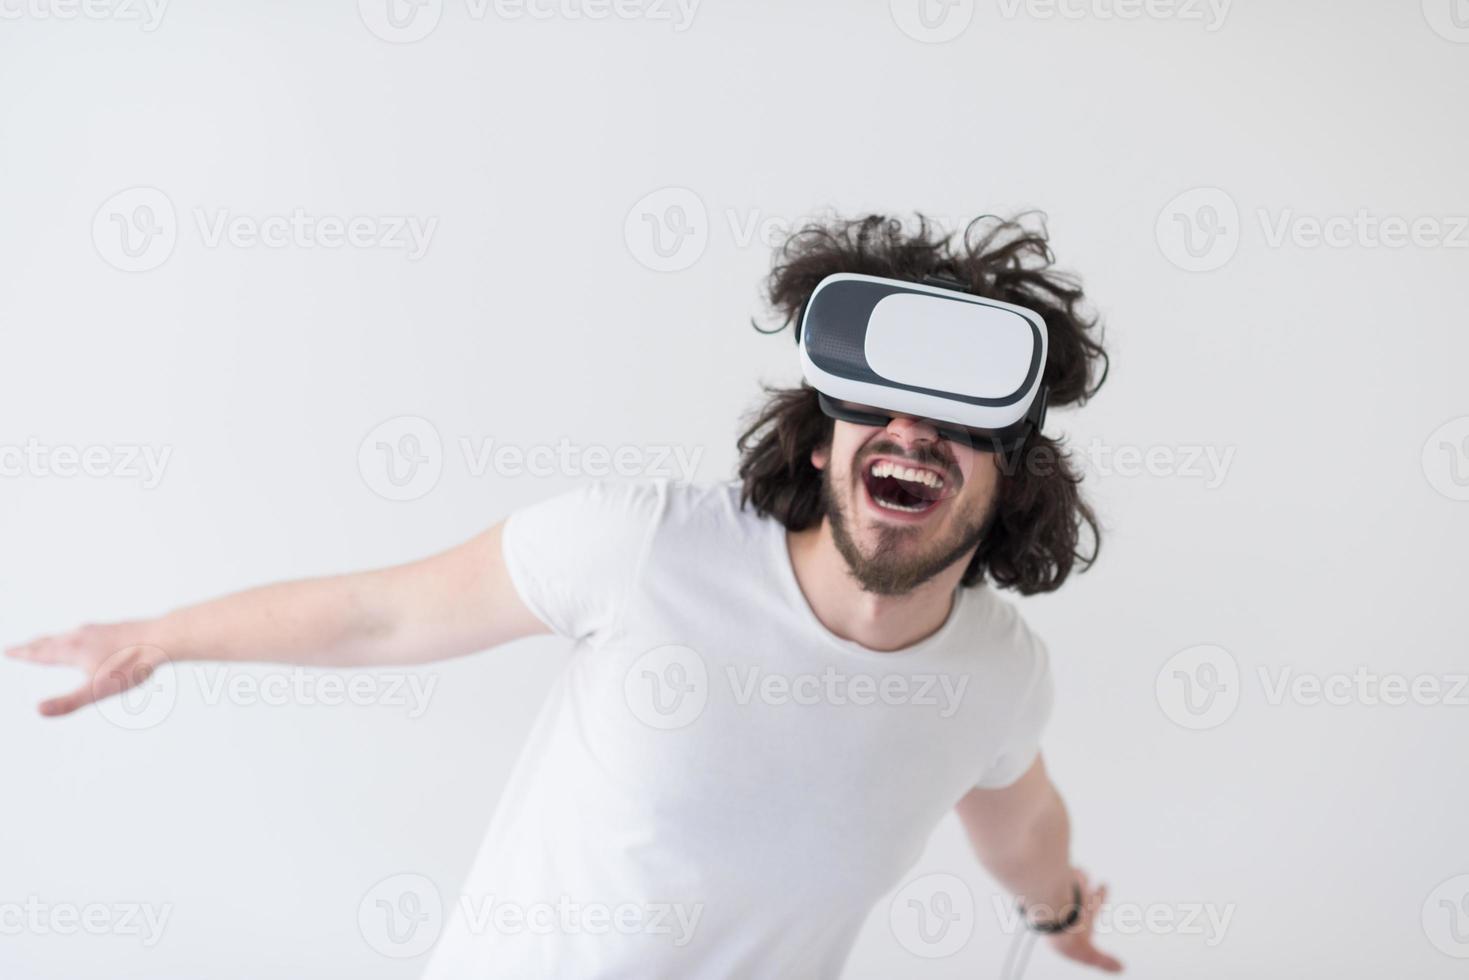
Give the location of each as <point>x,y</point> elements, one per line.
<point>893,568</point>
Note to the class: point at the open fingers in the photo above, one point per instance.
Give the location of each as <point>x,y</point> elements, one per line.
<point>110,679</point>
<point>1092,956</point>
<point>69,702</point>
<point>61,649</point>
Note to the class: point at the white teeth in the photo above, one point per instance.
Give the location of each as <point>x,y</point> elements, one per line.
<point>928,478</point>
<point>889,505</point>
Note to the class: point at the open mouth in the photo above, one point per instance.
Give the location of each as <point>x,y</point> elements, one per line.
<point>897,486</point>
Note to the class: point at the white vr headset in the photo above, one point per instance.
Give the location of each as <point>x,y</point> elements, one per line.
<point>877,348</point>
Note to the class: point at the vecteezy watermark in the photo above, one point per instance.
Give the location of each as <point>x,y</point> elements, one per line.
<point>1362,229</point>
<point>1446,917</point>
<point>137,229</point>
<point>1208,464</point>
<point>1446,458</point>
<point>136,687</point>
<point>488,914</point>
<point>932,21</point>
<point>147,14</point>
<point>1209,13</point>
<point>669,687</point>
<point>1200,229</point>
<point>1448,18</point>
<point>299,687</point>
<point>403,458</point>
<point>401,916</point>
<point>1206,920</point>
<point>120,461</point>
<point>838,688</point>
<point>1201,687</point>
<point>1362,686</point>
<point>407,21</point>
<point>669,229</point>
<point>144,921</point>
<point>933,915</point>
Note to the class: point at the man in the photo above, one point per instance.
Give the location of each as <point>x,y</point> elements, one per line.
<point>780,684</point>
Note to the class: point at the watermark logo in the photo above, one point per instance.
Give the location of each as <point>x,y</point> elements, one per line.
<point>1205,920</point>
<point>1446,459</point>
<point>1363,687</point>
<point>142,920</point>
<point>933,916</point>
<point>146,687</point>
<point>1207,464</point>
<point>148,14</point>
<point>1199,688</point>
<point>566,458</point>
<point>406,21</point>
<point>298,687</point>
<point>1446,917</point>
<point>135,230</point>
<point>410,234</point>
<point>667,230</point>
<point>402,459</point>
<point>942,692</point>
<point>1210,13</point>
<point>677,921</point>
<point>932,21</point>
<point>1448,18</point>
<point>667,687</point>
<point>401,916</point>
<point>400,21</point>
<point>1199,230</point>
<point>123,461</point>
<point>1362,229</point>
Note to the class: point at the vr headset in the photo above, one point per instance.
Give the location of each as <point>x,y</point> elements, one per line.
<point>876,348</point>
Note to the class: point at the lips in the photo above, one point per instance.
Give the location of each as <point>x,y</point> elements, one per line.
<point>900,487</point>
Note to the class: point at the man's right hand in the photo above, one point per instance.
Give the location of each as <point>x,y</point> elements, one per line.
<point>114,658</point>
<point>450,604</point>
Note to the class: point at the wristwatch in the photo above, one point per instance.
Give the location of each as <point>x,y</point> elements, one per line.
<point>1073,914</point>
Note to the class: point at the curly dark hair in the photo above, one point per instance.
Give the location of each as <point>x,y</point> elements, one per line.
<point>1037,530</point>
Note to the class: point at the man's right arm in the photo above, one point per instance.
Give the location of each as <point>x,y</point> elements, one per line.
<point>454,603</point>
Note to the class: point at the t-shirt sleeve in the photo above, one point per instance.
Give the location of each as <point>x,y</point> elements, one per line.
<point>1022,742</point>
<point>574,558</point>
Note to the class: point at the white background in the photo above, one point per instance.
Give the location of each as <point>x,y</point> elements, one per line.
<point>1332,542</point>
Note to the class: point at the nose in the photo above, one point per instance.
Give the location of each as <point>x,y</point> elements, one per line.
<point>910,431</point>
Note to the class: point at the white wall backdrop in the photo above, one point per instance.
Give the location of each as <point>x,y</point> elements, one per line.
<point>237,242</point>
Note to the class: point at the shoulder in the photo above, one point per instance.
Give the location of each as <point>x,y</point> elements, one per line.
<point>1007,641</point>
<point>708,507</point>
<point>644,508</point>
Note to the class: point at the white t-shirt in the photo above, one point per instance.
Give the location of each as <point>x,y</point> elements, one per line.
<point>718,786</point>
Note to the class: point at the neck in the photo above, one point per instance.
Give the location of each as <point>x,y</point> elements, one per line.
<point>878,622</point>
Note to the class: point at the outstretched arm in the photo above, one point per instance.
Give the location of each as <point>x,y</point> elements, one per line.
<point>454,603</point>
<point>1022,836</point>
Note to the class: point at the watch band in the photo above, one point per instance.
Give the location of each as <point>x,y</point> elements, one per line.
<point>1072,916</point>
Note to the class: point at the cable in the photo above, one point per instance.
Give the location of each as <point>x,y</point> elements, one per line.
<point>1025,949</point>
